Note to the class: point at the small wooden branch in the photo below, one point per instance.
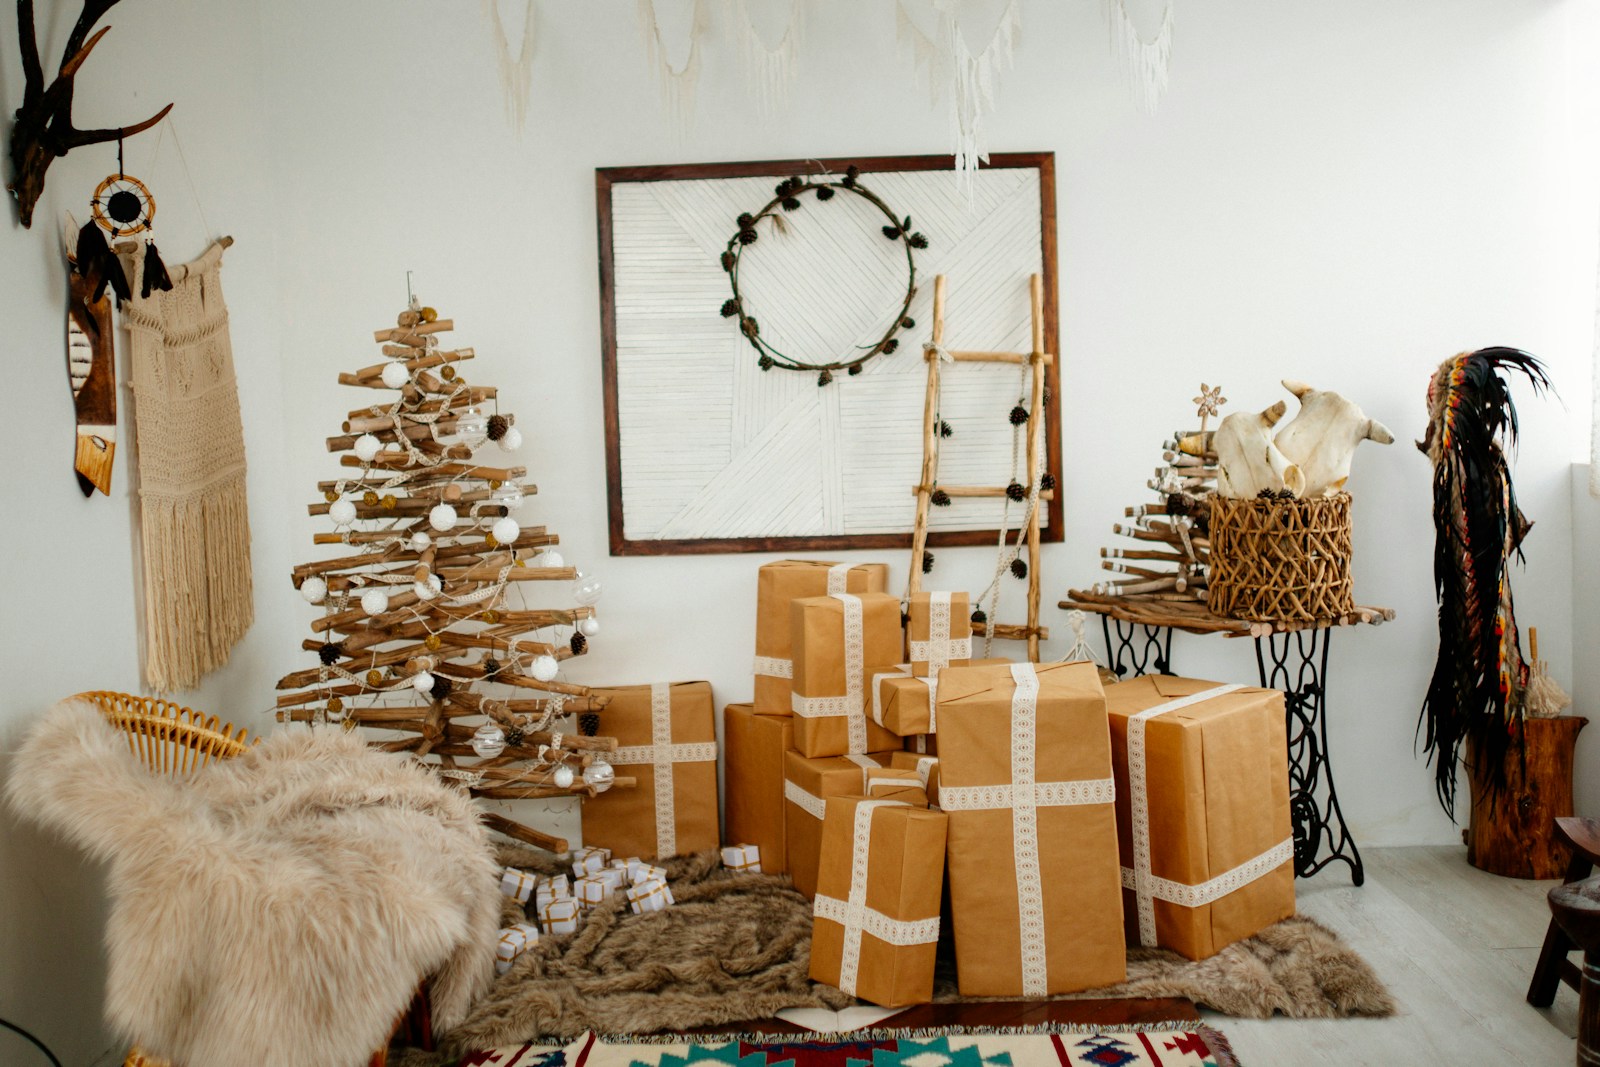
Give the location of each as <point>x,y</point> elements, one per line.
<point>526,834</point>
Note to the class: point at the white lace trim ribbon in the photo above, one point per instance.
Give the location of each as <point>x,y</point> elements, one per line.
<point>774,667</point>
<point>688,752</point>
<point>839,578</point>
<point>661,741</point>
<point>1037,795</point>
<point>852,706</point>
<point>939,649</point>
<point>877,690</point>
<point>899,932</point>
<point>810,804</point>
<point>1139,790</point>
<point>1214,889</point>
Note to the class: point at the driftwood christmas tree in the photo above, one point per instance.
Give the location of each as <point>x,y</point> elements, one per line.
<point>1172,548</point>
<point>426,638</point>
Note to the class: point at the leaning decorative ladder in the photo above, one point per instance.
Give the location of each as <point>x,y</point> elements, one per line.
<point>1036,361</point>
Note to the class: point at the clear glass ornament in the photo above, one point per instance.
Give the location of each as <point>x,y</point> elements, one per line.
<point>600,775</point>
<point>509,495</point>
<point>586,590</point>
<point>489,740</point>
<point>472,427</point>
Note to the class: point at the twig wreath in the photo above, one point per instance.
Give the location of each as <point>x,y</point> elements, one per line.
<point>787,198</point>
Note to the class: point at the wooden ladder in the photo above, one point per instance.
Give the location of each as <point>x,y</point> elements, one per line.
<point>1036,360</point>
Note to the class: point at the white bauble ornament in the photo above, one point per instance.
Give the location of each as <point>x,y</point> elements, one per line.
<point>545,668</point>
<point>366,447</point>
<point>489,740</point>
<point>586,590</point>
<point>551,558</point>
<point>395,375</point>
<point>315,590</point>
<point>511,440</point>
<point>589,627</point>
<point>472,426</point>
<point>422,682</point>
<point>600,775</point>
<point>429,589</point>
<point>564,777</point>
<point>420,540</point>
<point>443,517</point>
<point>374,602</point>
<point>342,512</point>
<point>506,530</point>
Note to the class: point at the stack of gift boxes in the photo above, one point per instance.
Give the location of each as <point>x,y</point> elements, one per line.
<point>1050,821</point>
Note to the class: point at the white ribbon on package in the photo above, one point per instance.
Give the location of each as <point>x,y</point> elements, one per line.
<point>1024,796</point>
<point>853,704</point>
<point>814,805</point>
<point>853,913</point>
<point>929,680</point>
<point>661,753</point>
<point>776,666</point>
<point>939,649</point>
<point>1147,888</point>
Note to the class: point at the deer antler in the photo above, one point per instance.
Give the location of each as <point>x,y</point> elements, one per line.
<point>43,129</point>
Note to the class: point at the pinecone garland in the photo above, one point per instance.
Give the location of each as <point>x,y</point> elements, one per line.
<point>441,687</point>
<point>579,644</point>
<point>1019,569</point>
<point>1047,481</point>
<point>330,654</point>
<point>589,723</point>
<point>927,562</point>
<point>945,429</point>
<point>825,193</point>
<point>979,617</point>
<point>939,499</point>
<point>1019,415</point>
<point>1014,491</point>
<point>498,425</point>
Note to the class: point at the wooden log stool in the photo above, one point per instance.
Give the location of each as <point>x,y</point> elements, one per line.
<point>1576,907</point>
<point>1553,967</point>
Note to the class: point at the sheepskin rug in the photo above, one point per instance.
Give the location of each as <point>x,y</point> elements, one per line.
<point>277,908</point>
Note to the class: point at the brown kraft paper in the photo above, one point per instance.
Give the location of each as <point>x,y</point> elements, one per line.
<point>938,632</point>
<point>840,642</point>
<point>877,908</point>
<point>752,780</point>
<point>926,768</point>
<point>778,583</point>
<point>667,741</point>
<point>1035,889</point>
<point>907,704</point>
<point>807,785</point>
<point>1216,800</point>
<point>893,783</point>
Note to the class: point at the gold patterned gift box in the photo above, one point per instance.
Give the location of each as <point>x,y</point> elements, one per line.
<point>752,781</point>
<point>840,642</point>
<point>1025,776</point>
<point>876,924</point>
<point>1202,811</point>
<point>907,704</point>
<point>776,585</point>
<point>667,741</point>
<point>807,785</point>
<point>938,632</point>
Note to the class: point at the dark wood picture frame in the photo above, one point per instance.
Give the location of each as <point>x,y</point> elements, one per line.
<point>607,177</point>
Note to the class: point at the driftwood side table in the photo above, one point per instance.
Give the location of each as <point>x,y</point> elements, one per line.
<point>1292,657</point>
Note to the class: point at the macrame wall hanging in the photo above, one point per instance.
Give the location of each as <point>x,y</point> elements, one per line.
<point>1147,62</point>
<point>516,73</point>
<point>770,69</point>
<point>678,84</point>
<point>946,59</point>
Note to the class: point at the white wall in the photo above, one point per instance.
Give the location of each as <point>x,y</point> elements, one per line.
<point>1346,193</point>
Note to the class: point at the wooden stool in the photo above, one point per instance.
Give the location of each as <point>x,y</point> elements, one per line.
<point>1576,906</point>
<point>1553,967</point>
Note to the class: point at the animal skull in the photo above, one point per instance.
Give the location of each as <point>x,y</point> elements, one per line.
<point>1248,460</point>
<point>1323,436</point>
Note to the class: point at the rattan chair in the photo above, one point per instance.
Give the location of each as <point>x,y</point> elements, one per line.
<point>180,742</point>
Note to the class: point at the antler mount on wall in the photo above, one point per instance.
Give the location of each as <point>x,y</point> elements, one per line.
<point>43,129</point>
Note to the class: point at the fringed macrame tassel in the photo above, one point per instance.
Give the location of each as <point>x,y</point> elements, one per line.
<point>1147,62</point>
<point>677,86</point>
<point>770,70</point>
<point>154,277</point>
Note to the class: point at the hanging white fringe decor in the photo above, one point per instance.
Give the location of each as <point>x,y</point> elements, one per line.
<point>1146,62</point>
<point>677,86</point>
<point>516,75</point>
<point>770,70</point>
<point>945,58</point>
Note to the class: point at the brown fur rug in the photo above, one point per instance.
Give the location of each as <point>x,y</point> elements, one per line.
<point>737,947</point>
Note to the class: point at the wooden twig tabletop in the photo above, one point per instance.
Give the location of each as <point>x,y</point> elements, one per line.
<point>1182,612</point>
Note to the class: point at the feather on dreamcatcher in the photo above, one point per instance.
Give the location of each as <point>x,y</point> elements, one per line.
<point>1477,693</point>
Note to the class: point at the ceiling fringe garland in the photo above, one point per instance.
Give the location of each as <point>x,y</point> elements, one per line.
<point>946,59</point>
<point>1147,62</point>
<point>516,75</point>
<point>677,86</point>
<point>770,70</point>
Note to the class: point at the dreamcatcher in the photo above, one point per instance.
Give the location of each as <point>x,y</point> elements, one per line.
<point>124,206</point>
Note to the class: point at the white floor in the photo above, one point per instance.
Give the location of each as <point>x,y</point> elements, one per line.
<point>1455,946</point>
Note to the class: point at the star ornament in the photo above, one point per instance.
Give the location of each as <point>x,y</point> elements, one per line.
<point>1209,400</point>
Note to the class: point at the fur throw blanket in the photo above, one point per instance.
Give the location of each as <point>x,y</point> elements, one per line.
<point>280,907</point>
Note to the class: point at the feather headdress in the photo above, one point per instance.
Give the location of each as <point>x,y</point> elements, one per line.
<point>1476,694</point>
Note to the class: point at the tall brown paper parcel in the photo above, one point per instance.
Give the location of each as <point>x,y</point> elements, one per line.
<point>1035,891</point>
<point>667,740</point>
<point>1217,857</point>
<point>807,785</point>
<point>752,779</point>
<point>840,642</point>
<point>778,583</point>
<point>938,632</point>
<point>877,907</point>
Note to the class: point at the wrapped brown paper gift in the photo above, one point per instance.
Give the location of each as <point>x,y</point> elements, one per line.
<point>906,703</point>
<point>926,768</point>
<point>923,744</point>
<point>893,783</point>
<point>1202,811</point>
<point>667,740</point>
<point>1025,776</point>
<point>877,905</point>
<point>938,632</point>
<point>776,585</point>
<point>840,642</point>
<point>807,785</point>
<point>752,781</point>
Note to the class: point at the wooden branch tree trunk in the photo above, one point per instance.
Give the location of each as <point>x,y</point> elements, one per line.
<point>1514,834</point>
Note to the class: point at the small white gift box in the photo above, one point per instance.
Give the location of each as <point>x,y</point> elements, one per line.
<point>559,916</point>
<point>514,940</point>
<point>613,877</point>
<point>592,890</point>
<point>587,861</point>
<point>557,888</point>
<point>644,872</point>
<point>518,885</point>
<point>651,895</point>
<point>628,867</point>
<point>745,858</point>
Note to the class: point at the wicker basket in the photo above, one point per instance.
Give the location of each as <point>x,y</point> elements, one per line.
<point>1280,560</point>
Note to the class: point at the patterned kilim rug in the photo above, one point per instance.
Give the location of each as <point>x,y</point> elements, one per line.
<point>1188,1045</point>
